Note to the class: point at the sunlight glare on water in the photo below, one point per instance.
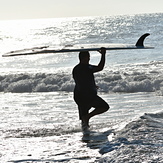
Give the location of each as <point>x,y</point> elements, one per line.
<point>39,118</point>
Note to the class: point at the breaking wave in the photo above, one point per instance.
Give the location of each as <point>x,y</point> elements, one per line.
<point>108,81</point>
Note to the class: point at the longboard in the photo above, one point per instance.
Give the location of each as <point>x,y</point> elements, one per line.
<point>80,47</point>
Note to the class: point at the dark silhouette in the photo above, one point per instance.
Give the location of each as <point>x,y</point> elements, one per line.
<point>85,92</point>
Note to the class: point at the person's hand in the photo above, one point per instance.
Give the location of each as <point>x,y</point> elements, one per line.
<point>102,50</point>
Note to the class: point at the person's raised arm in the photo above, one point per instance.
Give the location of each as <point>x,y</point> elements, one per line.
<point>102,61</point>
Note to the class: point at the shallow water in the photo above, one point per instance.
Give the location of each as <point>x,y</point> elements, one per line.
<point>44,127</point>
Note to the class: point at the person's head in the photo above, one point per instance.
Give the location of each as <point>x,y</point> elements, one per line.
<point>84,57</point>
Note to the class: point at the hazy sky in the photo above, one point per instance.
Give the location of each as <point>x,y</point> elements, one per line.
<point>32,9</point>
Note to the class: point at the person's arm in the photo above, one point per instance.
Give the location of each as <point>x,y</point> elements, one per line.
<point>101,64</point>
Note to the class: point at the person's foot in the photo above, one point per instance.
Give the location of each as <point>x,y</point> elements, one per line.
<point>85,127</point>
<point>85,120</point>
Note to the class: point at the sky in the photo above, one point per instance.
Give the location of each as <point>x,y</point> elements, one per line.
<point>37,9</point>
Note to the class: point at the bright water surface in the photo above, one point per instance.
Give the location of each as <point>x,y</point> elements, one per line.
<point>39,119</point>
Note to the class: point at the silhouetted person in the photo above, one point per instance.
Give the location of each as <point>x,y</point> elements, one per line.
<point>85,92</point>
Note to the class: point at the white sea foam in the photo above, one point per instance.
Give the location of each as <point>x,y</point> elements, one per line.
<point>129,79</point>
<point>139,141</point>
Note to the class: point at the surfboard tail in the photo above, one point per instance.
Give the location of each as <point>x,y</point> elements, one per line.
<point>140,41</point>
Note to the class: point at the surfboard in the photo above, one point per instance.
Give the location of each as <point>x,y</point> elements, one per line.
<point>79,47</point>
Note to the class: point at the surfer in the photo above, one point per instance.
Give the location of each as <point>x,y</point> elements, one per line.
<point>85,92</point>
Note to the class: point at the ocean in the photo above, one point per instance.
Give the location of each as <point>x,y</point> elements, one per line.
<point>39,118</point>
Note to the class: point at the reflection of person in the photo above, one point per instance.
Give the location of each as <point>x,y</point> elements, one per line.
<point>85,92</point>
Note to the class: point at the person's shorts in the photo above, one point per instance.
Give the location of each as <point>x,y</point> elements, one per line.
<point>85,106</point>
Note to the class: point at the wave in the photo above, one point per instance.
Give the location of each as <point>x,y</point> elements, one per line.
<point>140,141</point>
<point>108,81</point>
<point>40,82</point>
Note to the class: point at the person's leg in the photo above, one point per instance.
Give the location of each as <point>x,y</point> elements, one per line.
<point>100,107</point>
<point>83,112</point>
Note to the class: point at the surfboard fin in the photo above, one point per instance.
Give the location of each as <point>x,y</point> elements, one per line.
<point>140,41</point>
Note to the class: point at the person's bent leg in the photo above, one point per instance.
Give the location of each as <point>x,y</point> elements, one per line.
<point>97,111</point>
<point>100,107</point>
